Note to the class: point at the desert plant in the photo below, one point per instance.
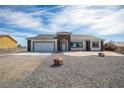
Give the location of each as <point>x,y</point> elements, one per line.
<point>19,46</point>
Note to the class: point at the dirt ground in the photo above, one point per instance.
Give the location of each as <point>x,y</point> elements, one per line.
<point>16,67</point>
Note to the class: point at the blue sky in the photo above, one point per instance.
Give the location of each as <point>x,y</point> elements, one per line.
<point>21,22</point>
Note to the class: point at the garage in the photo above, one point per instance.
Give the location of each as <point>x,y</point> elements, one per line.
<point>44,47</point>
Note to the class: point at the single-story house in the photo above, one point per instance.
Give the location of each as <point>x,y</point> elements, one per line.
<point>64,41</point>
<point>7,41</point>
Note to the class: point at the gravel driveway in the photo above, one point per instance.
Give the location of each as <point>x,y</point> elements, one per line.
<point>77,72</point>
<point>14,67</point>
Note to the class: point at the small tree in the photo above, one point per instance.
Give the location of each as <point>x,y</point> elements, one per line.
<point>19,46</point>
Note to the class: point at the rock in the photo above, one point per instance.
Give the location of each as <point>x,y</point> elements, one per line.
<point>101,54</point>
<point>58,61</point>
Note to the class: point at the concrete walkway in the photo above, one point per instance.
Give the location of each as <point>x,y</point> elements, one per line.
<point>84,53</point>
<point>28,54</point>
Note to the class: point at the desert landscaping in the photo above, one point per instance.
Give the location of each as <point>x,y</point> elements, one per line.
<point>80,69</point>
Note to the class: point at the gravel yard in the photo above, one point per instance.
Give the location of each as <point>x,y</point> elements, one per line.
<point>78,71</point>
<point>14,68</point>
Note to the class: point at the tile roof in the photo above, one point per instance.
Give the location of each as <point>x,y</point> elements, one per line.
<point>43,36</point>
<point>73,37</point>
<point>84,37</point>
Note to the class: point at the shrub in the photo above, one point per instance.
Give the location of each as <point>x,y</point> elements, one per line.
<point>19,46</point>
<point>110,47</point>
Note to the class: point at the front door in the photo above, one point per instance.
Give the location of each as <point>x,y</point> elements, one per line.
<point>87,45</point>
<point>64,46</point>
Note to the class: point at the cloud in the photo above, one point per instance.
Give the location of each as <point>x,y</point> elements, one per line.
<point>32,20</point>
<point>105,20</point>
<point>21,19</point>
<point>97,20</point>
<point>19,36</point>
<point>102,20</point>
<point>15,33</point>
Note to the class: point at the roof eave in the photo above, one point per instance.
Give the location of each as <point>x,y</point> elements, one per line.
<point>12,38</point>
<point>87,39</point>
<point>39,38</point>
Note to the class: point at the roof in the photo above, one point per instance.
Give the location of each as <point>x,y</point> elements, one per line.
<point>73,37</point>
<point>8,37</point>
<point>63,33</point>
<point>84,37</point>
<point>119,44</point>
<point>43,36</point>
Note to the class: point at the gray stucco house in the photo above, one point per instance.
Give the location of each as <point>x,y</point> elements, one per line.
<point>64,41</point>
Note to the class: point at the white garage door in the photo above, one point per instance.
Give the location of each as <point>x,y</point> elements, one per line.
<point>43,47</point>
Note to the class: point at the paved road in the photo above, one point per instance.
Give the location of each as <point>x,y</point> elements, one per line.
<point>77,72</point>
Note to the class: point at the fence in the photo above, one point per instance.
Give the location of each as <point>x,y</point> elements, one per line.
<point>13,49</point>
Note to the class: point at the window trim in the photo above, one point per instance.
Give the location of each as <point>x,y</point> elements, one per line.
<point>95,42</point>
<point>78,44</point>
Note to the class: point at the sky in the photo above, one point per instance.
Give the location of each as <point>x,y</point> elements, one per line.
<point>21,22</point>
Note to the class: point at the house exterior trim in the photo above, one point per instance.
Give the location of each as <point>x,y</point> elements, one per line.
<point>95,49</point>
<point>80,48</point>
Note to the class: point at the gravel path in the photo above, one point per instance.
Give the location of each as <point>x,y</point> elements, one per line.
<point>77,72</point>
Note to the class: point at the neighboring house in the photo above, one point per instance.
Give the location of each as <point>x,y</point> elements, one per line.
<point>64,41</point>
<point>7,42</point>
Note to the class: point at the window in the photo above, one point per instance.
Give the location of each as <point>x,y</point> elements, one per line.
<point>76,44</point>
<point>95,44</point>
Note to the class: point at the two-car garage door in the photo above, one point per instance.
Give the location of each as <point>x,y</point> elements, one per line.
<point>44,47</point>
